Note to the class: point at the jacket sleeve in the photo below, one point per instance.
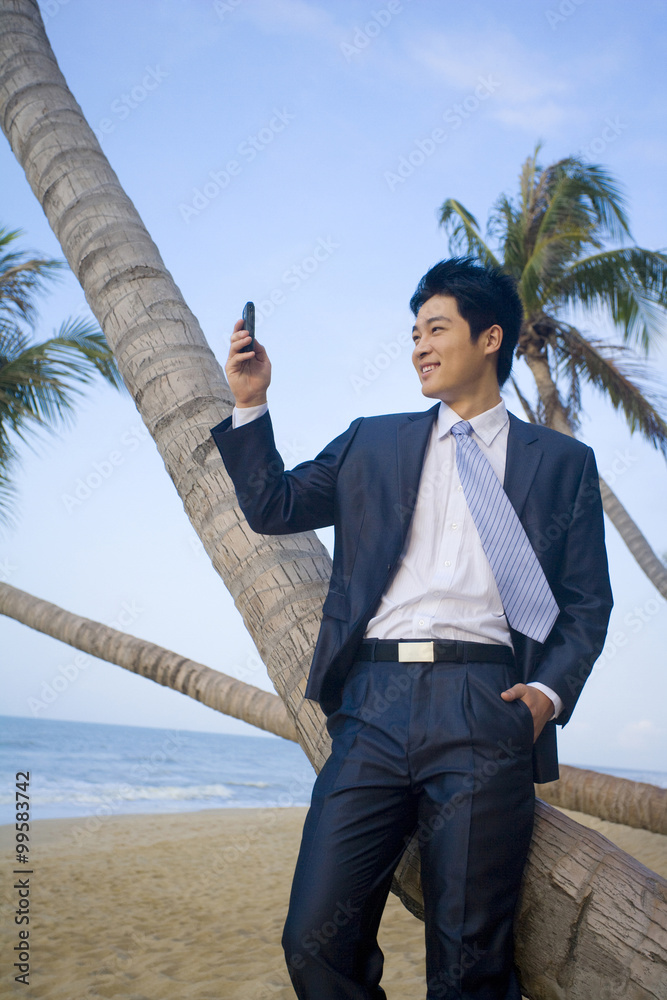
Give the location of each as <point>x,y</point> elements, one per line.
<point>275,501</point>
<point>584,596</point>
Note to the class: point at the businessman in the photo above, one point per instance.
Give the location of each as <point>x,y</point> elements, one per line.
<point>468,601</point>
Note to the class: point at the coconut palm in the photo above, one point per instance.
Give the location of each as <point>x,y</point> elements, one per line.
<point>616,799</point>
<point>39,382</point>
<point>632,803</point>
<point>211,687</point>
<point>279,582</point>
<point>553,239</point>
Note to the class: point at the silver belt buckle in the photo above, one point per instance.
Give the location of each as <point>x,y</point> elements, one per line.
<point>416,652</point>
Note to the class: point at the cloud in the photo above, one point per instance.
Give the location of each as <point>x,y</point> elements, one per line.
<point>459,58</point>
<point>288,17</point>
<point>537,118</point>
<point>534,95</point>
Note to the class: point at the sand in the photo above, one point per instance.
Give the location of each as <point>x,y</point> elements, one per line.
<point>170,907</point>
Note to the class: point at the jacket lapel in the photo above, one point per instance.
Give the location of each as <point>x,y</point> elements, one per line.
<point>412,438</point>
<point>523,457</point>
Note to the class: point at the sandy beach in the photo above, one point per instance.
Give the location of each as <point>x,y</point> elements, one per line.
<point>169,907</point>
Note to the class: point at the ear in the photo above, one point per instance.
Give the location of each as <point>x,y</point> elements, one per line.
<point>493,338</point>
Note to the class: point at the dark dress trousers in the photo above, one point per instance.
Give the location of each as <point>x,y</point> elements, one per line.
<point>426,748</point>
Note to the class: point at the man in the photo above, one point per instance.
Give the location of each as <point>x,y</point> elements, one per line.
<point>462,619</point>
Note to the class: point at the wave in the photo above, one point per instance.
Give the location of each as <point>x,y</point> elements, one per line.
<point>250,784</point>
<point>108,794</point>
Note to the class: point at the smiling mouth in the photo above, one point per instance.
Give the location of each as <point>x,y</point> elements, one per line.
<point>429,368</point>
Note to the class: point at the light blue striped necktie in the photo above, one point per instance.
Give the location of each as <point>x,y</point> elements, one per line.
<point>530,606</point>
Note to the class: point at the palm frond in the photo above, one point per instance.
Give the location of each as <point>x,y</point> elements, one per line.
<point>21,278</point>
<point>527,408</point>
<point>8,494</point>
<point>574,208</point>
<point>584,194</point>
<point>605,196</point>
<point>464,234</point>
<point>506,224</point>
<point>529,181</point>
<point>549,257</point>
<point>630,282</point>
<point>630,387</point>
<point>77,338</point>
<point>40,382</point>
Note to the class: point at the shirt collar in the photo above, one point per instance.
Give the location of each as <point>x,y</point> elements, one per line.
<point>486,425</point>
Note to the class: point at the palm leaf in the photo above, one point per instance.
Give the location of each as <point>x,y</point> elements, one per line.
<point>604,195</point>
<point>507,225</point>
<point>528,410</point>
<point>585,194</point>
<point>575,207</point>
<point>21,278</point>
<point>80,339</point>
<point>630,282</point>
<point>464,235</point>
<point>628,385</point>
<point>40,382</point>
<point>8,495</point>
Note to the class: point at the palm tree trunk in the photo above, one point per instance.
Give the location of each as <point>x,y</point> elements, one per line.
<point>583,901</point>
<point>617,800</point>
<point>210,687</point>
<point>556,418</point>
<point>278,582</point>
<point>589,884</point>
<point>653,566</point>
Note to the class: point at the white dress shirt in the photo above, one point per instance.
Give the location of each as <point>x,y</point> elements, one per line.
<point>444,587</point>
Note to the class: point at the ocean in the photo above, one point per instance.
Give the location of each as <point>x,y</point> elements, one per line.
<point>91,769</point>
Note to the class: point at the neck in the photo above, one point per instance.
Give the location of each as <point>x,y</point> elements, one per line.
<point>471,405</point>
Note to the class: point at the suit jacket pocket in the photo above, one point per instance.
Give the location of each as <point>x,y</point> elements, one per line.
<point>336,606</point>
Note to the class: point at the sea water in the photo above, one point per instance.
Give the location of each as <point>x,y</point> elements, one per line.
<point>87,769</point>
<point>94,769</point>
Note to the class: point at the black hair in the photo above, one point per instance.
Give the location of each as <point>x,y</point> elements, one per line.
<point>484,295</point>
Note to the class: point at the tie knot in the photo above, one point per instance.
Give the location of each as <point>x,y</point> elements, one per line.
<point>462,429</point>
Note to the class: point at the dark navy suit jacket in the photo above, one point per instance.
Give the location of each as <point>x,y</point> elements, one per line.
<point>365,483</point>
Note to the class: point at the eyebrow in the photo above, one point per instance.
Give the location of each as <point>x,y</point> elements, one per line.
<point>433,319</point>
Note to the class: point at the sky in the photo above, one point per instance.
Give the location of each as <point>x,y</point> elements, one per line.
<point>296,153</point>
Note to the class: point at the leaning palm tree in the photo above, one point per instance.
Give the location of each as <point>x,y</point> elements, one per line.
<point>279,582</point>
<point>632,803</point>
<point>553,239</point>
<point>210,687</point>
<point>39,382</point>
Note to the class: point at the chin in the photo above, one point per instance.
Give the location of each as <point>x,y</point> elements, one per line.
<point>429,392</point>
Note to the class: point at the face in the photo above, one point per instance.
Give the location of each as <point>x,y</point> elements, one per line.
<point>449,364</point>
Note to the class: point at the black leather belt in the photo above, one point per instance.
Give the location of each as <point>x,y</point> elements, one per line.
<point>447,650</point>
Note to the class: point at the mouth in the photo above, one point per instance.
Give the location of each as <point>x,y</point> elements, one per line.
<point>428,368</point>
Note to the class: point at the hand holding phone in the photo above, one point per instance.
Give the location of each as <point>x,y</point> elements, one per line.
<point>248,375</point>
<point>248,317</point>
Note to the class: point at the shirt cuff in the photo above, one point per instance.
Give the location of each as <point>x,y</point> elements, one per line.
<point>558,704</point>
<point>246,414</point>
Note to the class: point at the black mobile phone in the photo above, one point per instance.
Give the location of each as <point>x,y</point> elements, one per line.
<point>249,325</point>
